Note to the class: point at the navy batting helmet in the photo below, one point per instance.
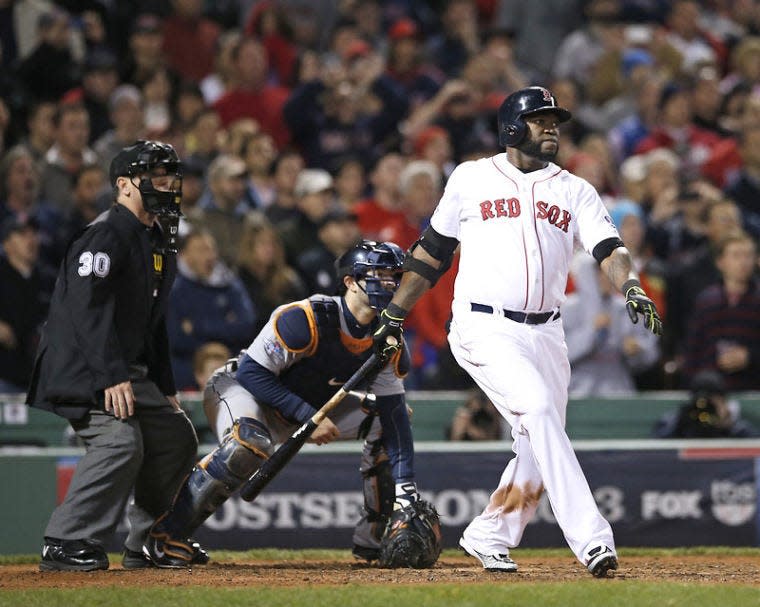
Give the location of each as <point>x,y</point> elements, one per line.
<point>527,101</point>
<point>361,262</point>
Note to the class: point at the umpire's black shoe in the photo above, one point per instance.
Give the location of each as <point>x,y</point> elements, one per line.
<point>72,555</point>
<point>365,553</point>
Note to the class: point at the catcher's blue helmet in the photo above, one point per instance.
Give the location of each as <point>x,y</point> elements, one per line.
<point>361,262</point>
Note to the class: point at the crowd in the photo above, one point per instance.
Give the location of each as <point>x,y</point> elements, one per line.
<point>305,125</point>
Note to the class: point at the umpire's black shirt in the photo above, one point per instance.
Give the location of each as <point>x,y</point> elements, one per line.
<point>107,314</point>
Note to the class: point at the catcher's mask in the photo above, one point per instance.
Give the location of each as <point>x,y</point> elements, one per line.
<point>159,170</point>
<point>527,101</point>
<point>364,263</point>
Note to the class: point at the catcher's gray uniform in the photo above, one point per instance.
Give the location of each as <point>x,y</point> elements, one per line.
<point>226,400</point>
<point>231,401</point>
<point>306,351</point>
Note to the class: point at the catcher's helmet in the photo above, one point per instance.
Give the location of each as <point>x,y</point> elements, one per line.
<point>142,159</point>
<point>531,100</point>
<point>361,262</point>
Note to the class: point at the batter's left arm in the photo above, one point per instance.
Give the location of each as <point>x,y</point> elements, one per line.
<point>618,266</point>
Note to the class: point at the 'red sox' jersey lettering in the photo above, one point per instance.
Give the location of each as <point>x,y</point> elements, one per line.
<point>500,208</point>
<point>559,218</point>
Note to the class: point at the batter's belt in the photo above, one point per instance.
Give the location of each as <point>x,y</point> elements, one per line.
<point>528,318</point>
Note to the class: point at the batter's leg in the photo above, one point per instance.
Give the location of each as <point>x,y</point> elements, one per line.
<point>524,372</point>
<point>511,506</point>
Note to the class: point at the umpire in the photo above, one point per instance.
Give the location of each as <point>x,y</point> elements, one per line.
<point>103,364</point>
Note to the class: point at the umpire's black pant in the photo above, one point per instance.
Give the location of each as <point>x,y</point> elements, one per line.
<point>150,452</point>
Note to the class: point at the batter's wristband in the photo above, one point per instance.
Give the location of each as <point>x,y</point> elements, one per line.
<point>396,312</point>
<point>633,282</point>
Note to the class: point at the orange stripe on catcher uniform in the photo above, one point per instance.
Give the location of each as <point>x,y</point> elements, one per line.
<point>355,345</point>
<point>314,334</point>
<point>250,446</point>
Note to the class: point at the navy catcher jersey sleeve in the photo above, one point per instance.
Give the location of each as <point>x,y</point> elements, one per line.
<point>266,388</point>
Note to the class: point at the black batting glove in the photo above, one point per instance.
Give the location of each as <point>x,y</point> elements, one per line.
<point>637,302</point>
<point>387,337</point>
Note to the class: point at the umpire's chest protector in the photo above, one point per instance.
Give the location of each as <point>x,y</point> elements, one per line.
<point>108,305</point>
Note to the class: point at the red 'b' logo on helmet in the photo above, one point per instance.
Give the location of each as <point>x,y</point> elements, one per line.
<point>548,96</point>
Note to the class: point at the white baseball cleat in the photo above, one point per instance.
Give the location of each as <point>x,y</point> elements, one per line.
<point>601,560</point>
<point>491,562</point>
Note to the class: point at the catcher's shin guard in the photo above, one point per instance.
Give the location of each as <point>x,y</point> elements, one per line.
<point>216,477</point>
<point>379,491</point>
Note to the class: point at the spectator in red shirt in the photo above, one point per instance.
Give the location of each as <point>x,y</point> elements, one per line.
<point>676,130</point>
<point>190,40</point>
<point>268,23</point>
<point>407,65</point>
<point>434,143</point>
<point>383,206</point>
<point>351,109</point>
<point>726,161</point>
<point>430,319</point>
<point>253,97</point>
<point>420,186</point>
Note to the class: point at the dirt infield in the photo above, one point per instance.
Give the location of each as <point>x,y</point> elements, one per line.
<point>743,570</point>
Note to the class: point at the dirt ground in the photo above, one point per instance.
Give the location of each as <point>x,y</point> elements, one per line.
<point>455,570</point>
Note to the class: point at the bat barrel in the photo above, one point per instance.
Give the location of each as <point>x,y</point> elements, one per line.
<point>269,469</point>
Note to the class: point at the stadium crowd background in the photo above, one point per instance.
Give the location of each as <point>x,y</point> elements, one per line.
<point>305,124</point>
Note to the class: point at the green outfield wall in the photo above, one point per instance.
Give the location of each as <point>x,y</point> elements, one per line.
<point>628,418</point>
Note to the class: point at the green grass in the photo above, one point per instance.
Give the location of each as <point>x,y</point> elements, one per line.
<point>588,593</point>
<point>585,592</point>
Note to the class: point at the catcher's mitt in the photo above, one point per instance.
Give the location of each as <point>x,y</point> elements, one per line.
<point>412,538</point>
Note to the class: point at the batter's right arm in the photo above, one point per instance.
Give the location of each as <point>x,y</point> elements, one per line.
<point>425,262</point>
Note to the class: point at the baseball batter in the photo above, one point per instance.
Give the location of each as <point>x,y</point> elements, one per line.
<point>519,217</point>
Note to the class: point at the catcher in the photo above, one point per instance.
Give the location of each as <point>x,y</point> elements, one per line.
<point>260,398</point>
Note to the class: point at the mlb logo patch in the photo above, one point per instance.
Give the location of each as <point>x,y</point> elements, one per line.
<point>274,349</point>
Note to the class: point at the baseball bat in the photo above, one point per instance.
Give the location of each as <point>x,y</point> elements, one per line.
<point>285,452</point>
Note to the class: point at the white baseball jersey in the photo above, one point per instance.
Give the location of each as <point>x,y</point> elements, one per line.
<point>518,231</point>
